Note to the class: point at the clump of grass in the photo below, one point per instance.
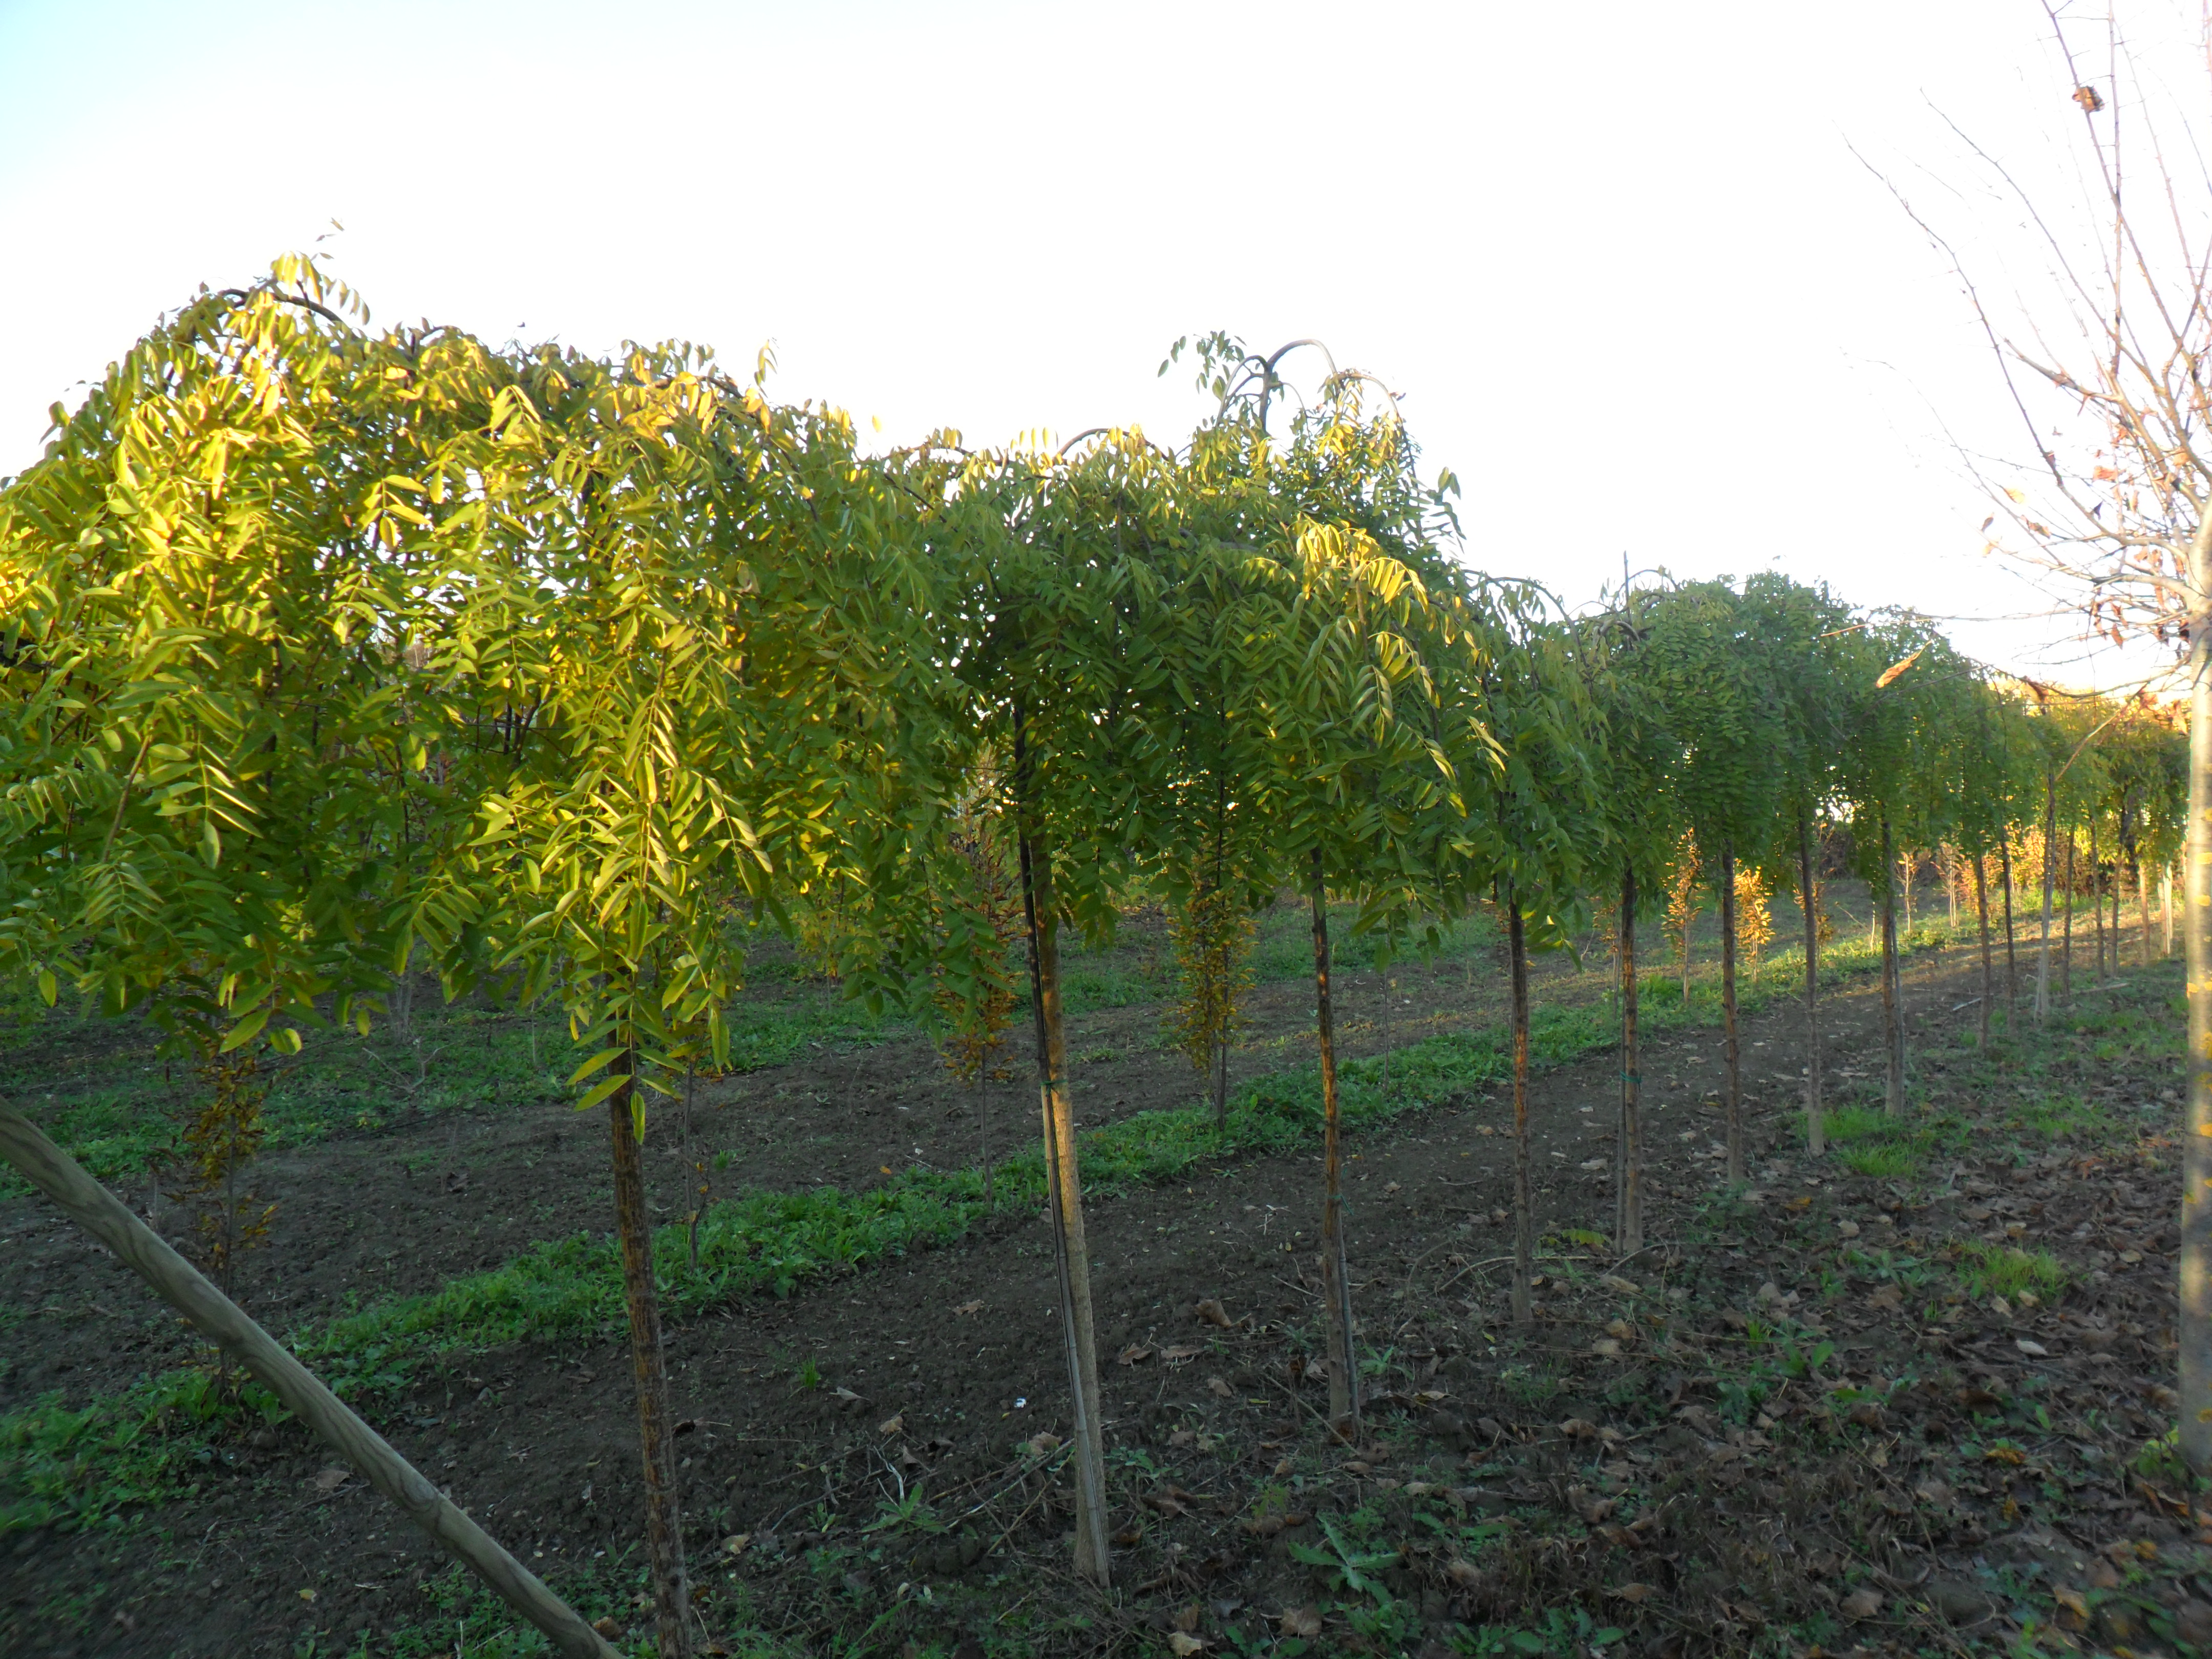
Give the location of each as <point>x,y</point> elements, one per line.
<point>1884,1160</point>
<point>1847,1124</point>
<point>1987,1269</point>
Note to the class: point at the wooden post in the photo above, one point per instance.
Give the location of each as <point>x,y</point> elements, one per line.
<point>100,1214</point>
<point>656,1430</point>
<point>1335,1275</point>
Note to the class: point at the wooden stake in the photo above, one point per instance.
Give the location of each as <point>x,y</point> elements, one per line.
<point>101,1214</point>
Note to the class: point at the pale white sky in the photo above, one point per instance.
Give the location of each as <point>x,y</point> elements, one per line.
<point>1620,259</point>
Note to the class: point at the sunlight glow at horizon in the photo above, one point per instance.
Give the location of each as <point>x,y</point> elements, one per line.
<point>1624,269</point>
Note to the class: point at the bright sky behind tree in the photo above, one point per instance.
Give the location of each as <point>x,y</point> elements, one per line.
<point>1635,288</point>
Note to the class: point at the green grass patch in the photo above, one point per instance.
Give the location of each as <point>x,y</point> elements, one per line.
<point>1986,1269</point>
<point>1885,1160</point>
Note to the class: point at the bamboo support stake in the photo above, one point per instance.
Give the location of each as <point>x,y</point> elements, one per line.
<point>100,1214</point>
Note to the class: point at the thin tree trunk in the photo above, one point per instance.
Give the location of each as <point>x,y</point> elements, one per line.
<point>2096,902</point>
<point>2012,955</point>
<point>104,1216</point>
<point>1815,1135</point>
<point>2142,902</point>
<point>1221,1085</point>
<point>1628,1211</point>
<point>1892,1023</point>
<point>664,1525</point>
<point>2166,903</point>
<point>1063,1176</point>
<point>1731,1037</point>
<point>1951,887</point>
<point>2050,869</point>
<point>1335,1274</point>
<point>1524,1203</point>
<point>2066,936</point>
<point>1989,972</point>
<point>1064,1193</point>
<point>983,1126</point>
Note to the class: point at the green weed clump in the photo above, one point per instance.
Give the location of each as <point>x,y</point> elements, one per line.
<point>1986,1269</point>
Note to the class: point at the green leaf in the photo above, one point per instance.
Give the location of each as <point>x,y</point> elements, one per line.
<point>47,986</point>
<point>247,1030</point>
<point>601,1090</point>
<point>597,1062</point>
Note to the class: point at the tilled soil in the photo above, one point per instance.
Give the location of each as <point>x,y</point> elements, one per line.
<point>1738,1505</point>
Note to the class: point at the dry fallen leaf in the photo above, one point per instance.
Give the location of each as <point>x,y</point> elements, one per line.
<point>1220,1389</point>
<point>1848,1229</point>
<point>1861,1603</point>
<point>306,1596</point>
<point>893,1426</point>
<point>1606,1348</point>
<point>606,1626</point>
<point>1579,1428</point>
<point>1299,1621</point>
<point>1933,1491</point>
<point>1183,1644</point>
<point>1885,1296</point>
<point>967,1308</point>
<point>331,1479</point>
<point>1041,1444</point>
<point>1210,1310</point>
<point>2070,1599</point>
<point>1179,1356</point>
<point>1134,1355</point>
<point>2032,1350</point>
<point>1630,1593</point>
<point>1462,1571</point>
<point>736,1542</point>
<point>1620,1328</point>
<point>1617,1285</point>
<point>1188,1618</point>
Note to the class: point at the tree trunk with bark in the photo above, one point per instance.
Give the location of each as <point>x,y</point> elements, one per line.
<point>1524,1206</point>
<point>2012,955</point>
<point>2195,1324</point>
<point>1989,972</point>
<point>2066,934</point>
<point>1628,1211</point>
<point>1335,1274</point>
<point>1731,1037</point>
<point>1063,1179</point>
<point>1892,1015</point>
<point>2050,869</point>
<point>656,1428</point>
<point>1815,1135</point>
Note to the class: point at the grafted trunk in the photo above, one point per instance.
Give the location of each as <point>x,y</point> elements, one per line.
<point>663,1526</point>
<point>1063,1187</point>
<point>1731,1038</point>
<point>1628,1211</point>
<point>1524,1208</point>
<point>1815,1136</point>
<point>1336,1282</point>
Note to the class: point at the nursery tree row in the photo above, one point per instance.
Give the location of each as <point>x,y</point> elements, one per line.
<point>328,650</point>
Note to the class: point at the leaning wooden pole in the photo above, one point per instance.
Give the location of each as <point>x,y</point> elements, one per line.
<point>1336,1274</point>
<point>100,1214</point>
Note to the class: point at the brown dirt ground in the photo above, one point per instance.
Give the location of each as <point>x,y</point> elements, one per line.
<point>539,1440</point>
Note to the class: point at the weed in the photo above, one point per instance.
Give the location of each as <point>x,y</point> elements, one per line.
<point>2006,1270</point>
<point>1345,1565</point>
<point>1885,1162</point>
